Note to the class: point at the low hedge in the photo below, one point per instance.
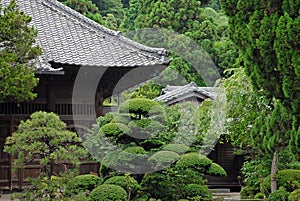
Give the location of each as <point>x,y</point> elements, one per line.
<point>108,192</point>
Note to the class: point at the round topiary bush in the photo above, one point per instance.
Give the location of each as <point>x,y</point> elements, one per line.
<point>140,106</point>
<point>279,195</point>
<point>163,158</point>
<point>114,129</point>
<point>216,170</point>
<point>177,148</point>
<point>193,190</point>
<point>295,195</point>
<point>117,131</point>
<point>126,182</point>
<point>195,161</point>
<point>83,183</point>
<point>108,192</point>
<point>135,150</point>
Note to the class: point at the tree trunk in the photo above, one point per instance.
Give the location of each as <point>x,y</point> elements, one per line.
<point>274,171</point>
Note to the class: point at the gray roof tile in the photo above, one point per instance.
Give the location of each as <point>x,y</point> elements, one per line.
<point>67,37</point>
<point>172,93</point>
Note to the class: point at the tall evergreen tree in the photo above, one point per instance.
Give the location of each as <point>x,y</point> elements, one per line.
<point>17,54</point>
<point>85,7</point>
<point>112,7</point>
<point>267,35</point>
<point>190,18</point>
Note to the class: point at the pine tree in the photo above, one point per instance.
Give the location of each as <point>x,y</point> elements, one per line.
<point>17,54</point>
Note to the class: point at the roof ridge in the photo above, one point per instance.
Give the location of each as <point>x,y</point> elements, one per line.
<point>96,26</point>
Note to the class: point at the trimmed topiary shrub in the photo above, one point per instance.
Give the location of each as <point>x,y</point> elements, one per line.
<point>216,170</point>
<point>193,190</point>
<point>279,195</point>
<point>120,118</point>
<point>163,158</point>
<point>123,161</point>
<point>248,192</point>
<point>108,192</point>
<point>289,179</point>
<point>126,182</point>
<point>145,128</point>
<point>295,195</point>
<point>140,106</point>
<point>135,150</point>
<point>177,148</point>
<point>116,131</point>
<point>195,161</point>
<point>83,183</point>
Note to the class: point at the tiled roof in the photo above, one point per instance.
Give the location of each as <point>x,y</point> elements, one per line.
<point>174,93</point>
<point>67,37</point>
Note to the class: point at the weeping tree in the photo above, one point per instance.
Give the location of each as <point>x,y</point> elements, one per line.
<point>267,35</point>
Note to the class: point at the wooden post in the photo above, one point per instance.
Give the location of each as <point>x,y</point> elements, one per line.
<point>99,103</point>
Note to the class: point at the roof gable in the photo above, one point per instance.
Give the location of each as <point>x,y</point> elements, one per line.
<point>175,94</point>
<point>67,37</point>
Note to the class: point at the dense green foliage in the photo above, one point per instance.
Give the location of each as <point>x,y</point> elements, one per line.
<point>85,7</point>
<point>126,182</point>
<point>295,195</point>
<point>108,192</point>
<point>266,36</point>
<point>18,52</point>
<point>111,7</point>
<point>163,158</point>
<point>140,106</point>
<point>83,183</point>
<point>191,20</point>
<point>279,195</point>
<point>216,170</point>
<point>288,179</point>
<point>248,192</point>
<point>166,149</point>
<point>44,136</point>
<point>177,148</point>
<point>195,190</point>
